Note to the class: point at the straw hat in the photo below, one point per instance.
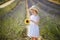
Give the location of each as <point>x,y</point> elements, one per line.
<point>34,8</point>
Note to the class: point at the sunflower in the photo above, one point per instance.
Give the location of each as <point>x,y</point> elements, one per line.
<point>27,21</point>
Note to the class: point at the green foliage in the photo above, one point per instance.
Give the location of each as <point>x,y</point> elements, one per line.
<point>12,25</point>
<point>12,29</point>
<point>51,29</point>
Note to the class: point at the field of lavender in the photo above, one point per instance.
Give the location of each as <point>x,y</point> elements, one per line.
<point>12,25</point>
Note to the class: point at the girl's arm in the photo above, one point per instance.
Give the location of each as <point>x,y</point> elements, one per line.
<point>35,22</point>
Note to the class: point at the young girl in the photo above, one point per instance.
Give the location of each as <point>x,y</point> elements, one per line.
<point>33,28</point>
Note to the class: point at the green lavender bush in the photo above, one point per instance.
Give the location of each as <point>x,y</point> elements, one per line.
<point>51,28</point>
<point>11,25</point>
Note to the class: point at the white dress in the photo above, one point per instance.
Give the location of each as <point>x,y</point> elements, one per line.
<point>33,29</point>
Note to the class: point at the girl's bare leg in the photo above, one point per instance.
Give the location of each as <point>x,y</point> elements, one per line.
<point>34,38</point>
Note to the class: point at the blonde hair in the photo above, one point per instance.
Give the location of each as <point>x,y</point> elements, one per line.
<point>35,11</point>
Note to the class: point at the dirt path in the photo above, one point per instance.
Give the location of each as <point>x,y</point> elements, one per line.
<point>6,4</point>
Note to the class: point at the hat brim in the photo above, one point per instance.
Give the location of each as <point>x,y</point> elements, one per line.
<point>33,9</point>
